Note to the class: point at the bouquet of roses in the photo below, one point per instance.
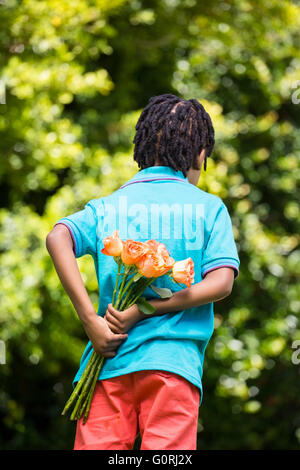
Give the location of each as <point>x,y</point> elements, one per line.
<point>139,264</point>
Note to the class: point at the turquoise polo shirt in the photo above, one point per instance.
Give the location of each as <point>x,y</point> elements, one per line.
<point>158,203</point>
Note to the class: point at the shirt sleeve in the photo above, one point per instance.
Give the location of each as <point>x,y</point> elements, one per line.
<point>82,226</point>
<point>221,250</point>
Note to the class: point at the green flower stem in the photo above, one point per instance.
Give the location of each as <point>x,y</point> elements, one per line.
<point>120,293</point>
<point>129,283</point>
<point>125,299</point>
<point>80,383</point>
<point>76,411</point>
<point>132,301</point>
<point>140,284</point>
<point>85,389</point>
<point>88,397</point>
<point>117,282</point>
<point>86,409</point>
<point>140,287</point>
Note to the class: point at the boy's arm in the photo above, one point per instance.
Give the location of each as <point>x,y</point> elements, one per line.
<point>60,247</point>
<point>216,285</point>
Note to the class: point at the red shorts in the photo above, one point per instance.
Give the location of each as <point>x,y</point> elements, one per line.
<point>162,406</point>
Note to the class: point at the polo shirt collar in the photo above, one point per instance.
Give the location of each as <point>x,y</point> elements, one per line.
<point>158,171</point>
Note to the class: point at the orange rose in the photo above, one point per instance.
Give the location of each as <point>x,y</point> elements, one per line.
<point>162,252</point>
<point>153,244</point>
<point>153,265</point>
<point>169,263</point>
<point>133,251</point>
<point>112,245</point>
<point>183,271</point>
<point>165,255</point>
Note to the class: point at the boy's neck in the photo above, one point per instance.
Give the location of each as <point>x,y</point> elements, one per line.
<point>192,175</point>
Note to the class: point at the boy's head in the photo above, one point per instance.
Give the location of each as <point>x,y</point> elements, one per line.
<point>172,131</point>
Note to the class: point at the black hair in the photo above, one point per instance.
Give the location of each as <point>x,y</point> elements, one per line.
<point>172,135</point>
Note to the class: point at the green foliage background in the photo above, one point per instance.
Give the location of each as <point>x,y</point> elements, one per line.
<point>76,77</point>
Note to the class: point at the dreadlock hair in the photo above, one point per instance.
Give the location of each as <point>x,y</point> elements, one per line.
<point>172,132</point>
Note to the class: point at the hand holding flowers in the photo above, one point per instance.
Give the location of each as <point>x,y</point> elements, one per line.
<point>103,338</point>
<point>121,322</point>
<point>139,264</point>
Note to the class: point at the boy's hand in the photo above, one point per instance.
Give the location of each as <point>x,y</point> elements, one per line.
<point>120,322</point>
<point>104,341</point>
